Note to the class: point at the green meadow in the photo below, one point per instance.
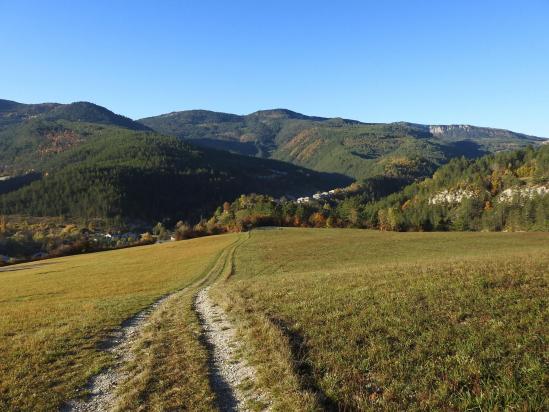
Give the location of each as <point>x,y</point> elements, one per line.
<point>360,320</point>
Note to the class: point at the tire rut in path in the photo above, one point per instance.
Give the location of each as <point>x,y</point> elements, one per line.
<point>229,373</point>
<point>102,387</point>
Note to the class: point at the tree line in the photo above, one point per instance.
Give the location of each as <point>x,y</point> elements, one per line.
<point>507,191</point>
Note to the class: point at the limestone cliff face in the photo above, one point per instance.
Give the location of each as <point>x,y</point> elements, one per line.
<point>451,196</point>
<point>465,131</point>
<point>440,130</point>
<point>456,196</point>
<point>526,192</point>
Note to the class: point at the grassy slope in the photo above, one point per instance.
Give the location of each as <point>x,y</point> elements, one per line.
<point>55,312</point>
<point>389,321</point>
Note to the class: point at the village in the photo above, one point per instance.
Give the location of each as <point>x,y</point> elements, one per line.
<point>320,196</point>
<point>22,241</point>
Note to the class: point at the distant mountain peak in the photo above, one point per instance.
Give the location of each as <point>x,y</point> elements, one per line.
<point>195,116</point>
<point>6,105</point>
<point>278,113</point>
<point>281,113</point>
<point>91,113</point>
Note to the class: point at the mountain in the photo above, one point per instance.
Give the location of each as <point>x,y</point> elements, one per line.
<point>31,133</point>
<point>91,113</point>
<point>504,191</point>
<point>13,113</point>
<point>83,160</point>
<point>358,150</point>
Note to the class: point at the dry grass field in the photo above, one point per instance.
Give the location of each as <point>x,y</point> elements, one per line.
<point>359,320</point>
<point>332,319</point>
<point>54,313</point>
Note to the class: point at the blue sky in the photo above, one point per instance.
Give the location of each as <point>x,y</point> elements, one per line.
<point>478,62</point>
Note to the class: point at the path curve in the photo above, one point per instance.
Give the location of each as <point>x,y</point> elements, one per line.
<point>229,373</point>
<point>103,386</point>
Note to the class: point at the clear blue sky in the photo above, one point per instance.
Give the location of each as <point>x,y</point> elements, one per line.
<point>482,62</point>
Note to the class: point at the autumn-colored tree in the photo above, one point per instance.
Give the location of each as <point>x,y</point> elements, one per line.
<point>160,231</point>
<point>393,219</point>
<point>317,219</point>
<point>183,231</point>
<point>331,222</point>
<point>146,237</point>
<point>495,182</point>
<point>69,229</point>
<point>525,170</point>
<point>211,226</point>
<point>200,228</point>
<point>383,223</point>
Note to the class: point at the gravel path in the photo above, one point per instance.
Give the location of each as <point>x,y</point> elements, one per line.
<point>231,376</point>
<point>102,387</point>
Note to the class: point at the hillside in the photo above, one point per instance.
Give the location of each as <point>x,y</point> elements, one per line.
<point>81,159</point>
<point>53,343</point>
<point>119,173</point>
<point>506,191</point>
<point>31,133</point>
<point>13,112</point>
<point>359,150</point>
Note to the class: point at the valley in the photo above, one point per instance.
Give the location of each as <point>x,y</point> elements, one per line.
<point>258,263</point>
<point>284,206</point>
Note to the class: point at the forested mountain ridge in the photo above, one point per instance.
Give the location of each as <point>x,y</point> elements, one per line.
<point>356,149</point>
<point>13,112</point>
<point>125,174</point>
<point>81,159</point>
<point>505,191</point>
<point>32,133</point>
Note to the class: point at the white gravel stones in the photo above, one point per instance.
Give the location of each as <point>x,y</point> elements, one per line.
<point>102,387</point>
<point>231,375</point>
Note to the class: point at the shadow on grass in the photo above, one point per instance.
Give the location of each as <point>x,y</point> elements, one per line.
<point>303,367</point>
